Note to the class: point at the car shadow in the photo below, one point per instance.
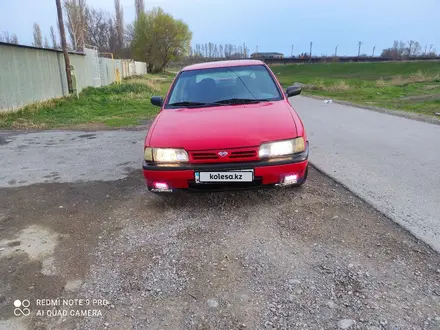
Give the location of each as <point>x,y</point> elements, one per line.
<point>209,200</point>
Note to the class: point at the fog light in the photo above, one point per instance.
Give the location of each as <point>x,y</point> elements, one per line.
<point>160,185</point>
<point>290,179</point>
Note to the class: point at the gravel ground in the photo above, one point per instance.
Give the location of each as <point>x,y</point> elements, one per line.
<point>309,258</point>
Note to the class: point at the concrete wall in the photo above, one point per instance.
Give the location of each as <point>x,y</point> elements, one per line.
<point>141,68</point>
<point>29,74</point>
<point>133,68</point>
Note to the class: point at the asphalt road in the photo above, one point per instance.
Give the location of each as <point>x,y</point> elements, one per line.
<point>391,162</point>
<point>68,156</point>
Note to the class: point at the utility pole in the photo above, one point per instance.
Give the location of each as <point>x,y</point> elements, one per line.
<point>336,51</point>
<point>291,55</point>
<point>64,45</point>
<point>359,49</point>
<point>244,50</point>
<point>374,48</point>
<point>310,58</point>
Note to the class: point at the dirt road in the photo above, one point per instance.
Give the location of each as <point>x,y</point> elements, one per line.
<point>314,258</point>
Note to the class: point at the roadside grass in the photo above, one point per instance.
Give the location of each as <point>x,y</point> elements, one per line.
<point>405,86</point>
<point>126,104</point>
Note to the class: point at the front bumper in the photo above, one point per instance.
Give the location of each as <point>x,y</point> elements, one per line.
<point>266,173</point>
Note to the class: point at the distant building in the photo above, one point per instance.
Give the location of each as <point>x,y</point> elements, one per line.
<point>267,55</point>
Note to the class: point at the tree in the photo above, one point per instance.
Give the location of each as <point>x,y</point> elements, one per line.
<point>119,26</point>
<point>38,38</point>
<point>396,52</point>
<point>13,39</point>
<point>414,48</point>
<point>46,43</point>
<point>99,29</point>
<point>159,39</point>
<point>76,12</point>
<point>53,37</point>
<point>129,33</point>
<point>198,52</point>
<point>9,38</point>
<point>400,50</point>
<point>139,7</point>
<point>211,49</point>
<point>112,42</point>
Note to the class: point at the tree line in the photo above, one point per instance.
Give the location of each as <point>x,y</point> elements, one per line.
<point>5,36</point>
<point>89,27</point>
<point>154,37</point>
<point>401,50</point>
<point>211,50</point>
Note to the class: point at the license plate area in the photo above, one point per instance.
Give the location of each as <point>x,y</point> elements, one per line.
<point>238,176</point>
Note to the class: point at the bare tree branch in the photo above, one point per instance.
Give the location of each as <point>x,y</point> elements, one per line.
<point>38,38</point>
<point>139,7</point>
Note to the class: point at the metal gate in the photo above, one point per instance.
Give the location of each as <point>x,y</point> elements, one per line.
<point>93,52</point>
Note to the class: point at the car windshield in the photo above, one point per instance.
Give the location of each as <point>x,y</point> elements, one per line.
<point>227,85</point>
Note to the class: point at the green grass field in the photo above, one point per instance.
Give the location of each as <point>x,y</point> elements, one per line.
<point>406,86</point>
<point>126,104</point>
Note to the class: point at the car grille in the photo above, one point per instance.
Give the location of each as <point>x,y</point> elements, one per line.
<point>204,155</point>
<point>243,154</point>
<point>234,155</point>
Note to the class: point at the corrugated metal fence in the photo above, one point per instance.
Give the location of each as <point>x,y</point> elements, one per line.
<point>29,74</point>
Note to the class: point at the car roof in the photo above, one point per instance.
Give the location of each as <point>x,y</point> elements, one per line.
<point>221,64</point>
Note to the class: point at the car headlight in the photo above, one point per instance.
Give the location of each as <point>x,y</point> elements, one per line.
<point>165,155</point>
<point>282,148</point>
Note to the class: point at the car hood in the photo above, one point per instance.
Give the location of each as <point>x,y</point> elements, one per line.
<point>223,127</point>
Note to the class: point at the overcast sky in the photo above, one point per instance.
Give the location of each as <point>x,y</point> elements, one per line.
<point>272,25</point>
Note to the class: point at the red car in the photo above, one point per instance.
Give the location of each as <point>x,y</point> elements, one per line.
<point>223,126</point>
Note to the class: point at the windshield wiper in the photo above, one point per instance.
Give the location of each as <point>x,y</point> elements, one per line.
<point>241,101</point>
<point>217,103</point>
<point>194,104</point>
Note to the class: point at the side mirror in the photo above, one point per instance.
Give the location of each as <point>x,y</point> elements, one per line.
<point>157,100</point>
<point>293,90</point>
